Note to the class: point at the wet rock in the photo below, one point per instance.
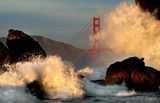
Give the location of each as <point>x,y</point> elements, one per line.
<point>22,47</point>
<point>36,89</point>
<point>134,74</point>
<point>144,80</point>
<point>3,53</point>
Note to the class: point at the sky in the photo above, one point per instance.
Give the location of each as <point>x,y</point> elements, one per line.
<point>55,19</point>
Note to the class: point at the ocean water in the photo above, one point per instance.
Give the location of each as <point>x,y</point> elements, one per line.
<point>113,99</point>
<point>141,98</point>
<point>108,94</point>
<point>93,93</point>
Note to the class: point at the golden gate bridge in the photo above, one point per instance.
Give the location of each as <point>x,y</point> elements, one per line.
<point>96,47</point>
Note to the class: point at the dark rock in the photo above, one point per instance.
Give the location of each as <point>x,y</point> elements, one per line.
<point>119,72</point>
<point>153,6</point>
<point>36,89</point>
<point>3,53</point>
<point>144,80</point>
<point>134,74</point>
<point>22,47</point>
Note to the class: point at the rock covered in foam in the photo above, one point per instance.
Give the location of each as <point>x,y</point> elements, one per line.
<point>134,74</point>
<point>153,6</point>
<point>21,46</point>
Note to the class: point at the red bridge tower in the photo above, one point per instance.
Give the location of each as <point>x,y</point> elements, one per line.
<point>95,49</point>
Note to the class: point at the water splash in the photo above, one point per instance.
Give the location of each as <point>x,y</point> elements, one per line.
<point>58,78</point>
<point>133,32</point>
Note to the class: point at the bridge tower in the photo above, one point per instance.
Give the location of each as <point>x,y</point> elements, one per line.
<point>95,49</point>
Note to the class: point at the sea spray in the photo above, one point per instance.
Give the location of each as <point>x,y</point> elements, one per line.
<point>131,31</point>
<point>58,78</point>
<point>93,89</point>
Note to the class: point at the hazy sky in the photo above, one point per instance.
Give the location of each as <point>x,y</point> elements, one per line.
<point>55,19</point>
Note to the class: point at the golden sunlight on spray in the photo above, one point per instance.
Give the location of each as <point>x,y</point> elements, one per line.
<point>133,32</point>
<point>11,78</point>
<point>58,78</point>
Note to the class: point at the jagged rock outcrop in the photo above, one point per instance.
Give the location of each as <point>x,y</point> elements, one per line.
<point>22,47</point>
<point>153,6</point>
<point>134,74</point>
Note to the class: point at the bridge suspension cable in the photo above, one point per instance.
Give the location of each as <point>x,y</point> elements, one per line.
<point>80,33</point>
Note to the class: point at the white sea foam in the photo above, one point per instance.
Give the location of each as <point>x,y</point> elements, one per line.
<point>92,89</point>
